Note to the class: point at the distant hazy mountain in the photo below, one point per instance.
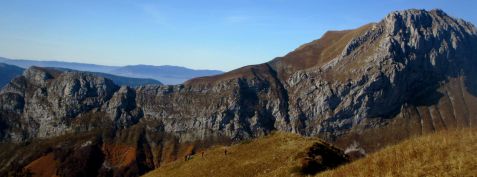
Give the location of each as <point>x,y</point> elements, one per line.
<point>120,80</point>
<point>58,64</point>
<point>166,74</point>
<point>8,72</point>
<point>169,75</point>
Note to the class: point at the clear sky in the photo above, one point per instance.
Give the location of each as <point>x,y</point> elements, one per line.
<point>212,34</point>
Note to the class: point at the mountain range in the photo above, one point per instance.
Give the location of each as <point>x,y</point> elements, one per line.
<point>412,73</point>
<point>9,72</point>
<point>169,75</point>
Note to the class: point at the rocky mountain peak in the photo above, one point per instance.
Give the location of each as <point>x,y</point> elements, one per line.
<point>433,22</point>
<point>37,75</point>
<point>411,73</point>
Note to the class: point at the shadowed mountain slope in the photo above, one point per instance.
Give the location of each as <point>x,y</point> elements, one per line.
<point>8,72</point>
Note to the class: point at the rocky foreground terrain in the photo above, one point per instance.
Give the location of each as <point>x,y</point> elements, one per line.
<point>411,73</point>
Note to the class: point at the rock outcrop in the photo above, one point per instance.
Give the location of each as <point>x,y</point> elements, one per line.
<point>411,73</point>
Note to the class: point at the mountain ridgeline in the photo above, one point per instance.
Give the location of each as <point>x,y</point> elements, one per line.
<point>9,72</point>
<point>119,80</point>
<point>169,75</point>
<point>411,73</point>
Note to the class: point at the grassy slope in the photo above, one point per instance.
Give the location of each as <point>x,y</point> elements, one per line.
<point>446,153</point>
<point>273,154</point>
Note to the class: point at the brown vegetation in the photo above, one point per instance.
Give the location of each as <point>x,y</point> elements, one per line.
<point>313,54</point>
<point>446,153</point>
<point>44,166</point>
<point>119,155</point>
<point>279,154</point>
<point>323,50</point>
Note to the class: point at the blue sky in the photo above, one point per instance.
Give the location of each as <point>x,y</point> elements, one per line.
<point>213,34</point>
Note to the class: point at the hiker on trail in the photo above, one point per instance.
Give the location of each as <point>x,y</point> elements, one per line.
<point>188,157</point>
<point>203,154</point>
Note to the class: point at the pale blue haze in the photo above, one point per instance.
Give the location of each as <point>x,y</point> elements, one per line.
<point>214,34</point>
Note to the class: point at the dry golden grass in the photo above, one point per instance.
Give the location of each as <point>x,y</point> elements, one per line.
<point>272,155</point>
<point>446,153</point>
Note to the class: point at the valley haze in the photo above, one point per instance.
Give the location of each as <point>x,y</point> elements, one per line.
<point>169,75</point>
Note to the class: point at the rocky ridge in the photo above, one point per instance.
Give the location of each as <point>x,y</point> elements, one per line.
<point>411,73</point>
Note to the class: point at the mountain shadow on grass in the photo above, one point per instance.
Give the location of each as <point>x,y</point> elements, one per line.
<point>320,157</point>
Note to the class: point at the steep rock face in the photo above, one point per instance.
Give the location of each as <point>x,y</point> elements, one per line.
<point>411,73</point>
<point>122,108</point>
<point>237,108</point>
<point>400,62</point>
<point>406,61</point>
<point>42,103</point>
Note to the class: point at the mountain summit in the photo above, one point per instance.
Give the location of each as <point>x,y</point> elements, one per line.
<point>411,73</point>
